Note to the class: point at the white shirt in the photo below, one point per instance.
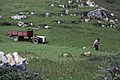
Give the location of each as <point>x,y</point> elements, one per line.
<point>96,42</point>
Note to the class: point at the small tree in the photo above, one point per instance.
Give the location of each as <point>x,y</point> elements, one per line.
<point>7,73</point>
<point>112,72</point>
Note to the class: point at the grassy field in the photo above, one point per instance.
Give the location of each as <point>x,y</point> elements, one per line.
<point>46,59</point>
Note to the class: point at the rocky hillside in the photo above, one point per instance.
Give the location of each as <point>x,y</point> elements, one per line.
<point>112,5</point>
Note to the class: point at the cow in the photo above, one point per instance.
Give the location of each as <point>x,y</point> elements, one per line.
<point>19,17</point>
<point>24,24</point>
<point>1,17</point>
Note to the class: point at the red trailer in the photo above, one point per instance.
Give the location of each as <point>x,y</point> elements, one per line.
<point>16,35</point>
<point>21,35</point>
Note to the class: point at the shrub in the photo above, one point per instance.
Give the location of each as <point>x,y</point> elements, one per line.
<point>7,73</point>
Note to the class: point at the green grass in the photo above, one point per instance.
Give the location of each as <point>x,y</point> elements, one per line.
<point>46,59</point>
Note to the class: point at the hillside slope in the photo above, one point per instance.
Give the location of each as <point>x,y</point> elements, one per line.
<point>112,5</point>
<point>68,37</point>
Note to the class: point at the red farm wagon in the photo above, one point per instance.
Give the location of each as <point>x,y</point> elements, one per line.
<point>21,35</point>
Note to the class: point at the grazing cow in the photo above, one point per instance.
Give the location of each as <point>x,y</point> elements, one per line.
<point>20,23</point>
<point>108,24</point>
<point>19,17</point>
<point>59,21</point>
<point>47,14</point>
<point>44,26</point>
<point>24,24</point>
<point>83,4</point>
<point>1,17</point>
<point>91,3</point>
<point>26,13</point>
<point>69,2</point>
<point>52,5</point>
<point>64,12</point>
<point>113,24</point>
<point>76,1</point>
<point>61,6</point>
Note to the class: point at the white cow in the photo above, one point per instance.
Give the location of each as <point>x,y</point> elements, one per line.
<point>22,24</point>
<point>1,17</point>
<point>61,6</point>
<point>52,5</point>
<point>91,3</point>
<point>19,17</point>
<point>69,2</point>
<point>47,14</point>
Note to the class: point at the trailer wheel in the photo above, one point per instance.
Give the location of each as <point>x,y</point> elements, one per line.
<point>35,41</point>
<point>21,38</point>
<point>15,38</point>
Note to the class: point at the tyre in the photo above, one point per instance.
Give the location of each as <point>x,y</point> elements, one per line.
<point>40,40</point>
<point>35,41</point>
<point>15,38</point>
<point>20,38</point>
